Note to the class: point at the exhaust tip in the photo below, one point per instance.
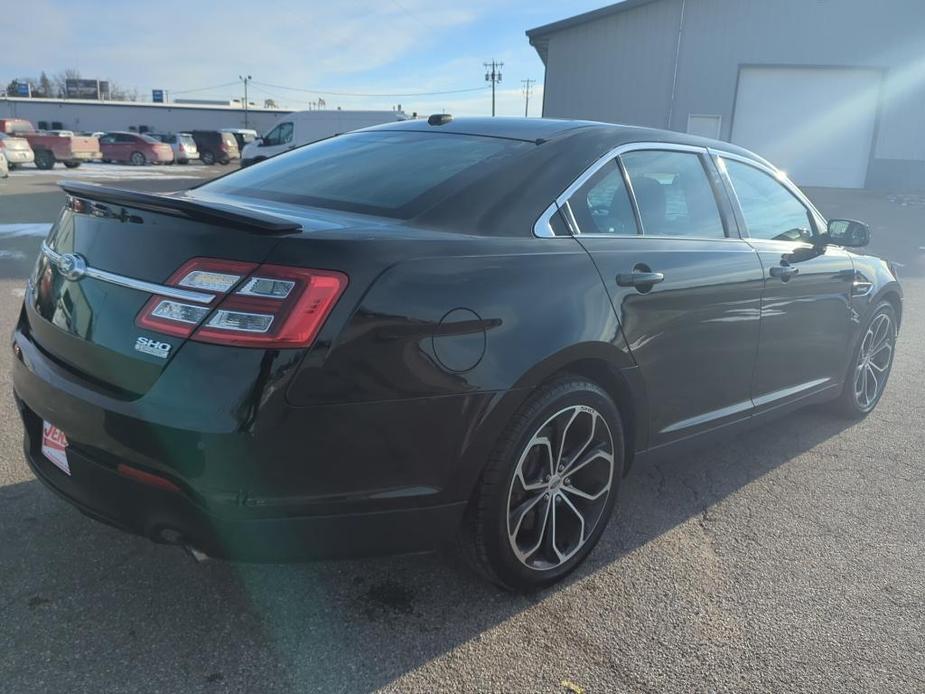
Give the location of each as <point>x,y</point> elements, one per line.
<point>196,554</point>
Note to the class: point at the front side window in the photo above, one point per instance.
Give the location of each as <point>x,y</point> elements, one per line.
<point>602,204</point>
<point>673,194</point>
<point>279,135</point>
<point>770,210</point>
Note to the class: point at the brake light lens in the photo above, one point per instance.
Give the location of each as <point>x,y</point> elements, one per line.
<point>255,306</point>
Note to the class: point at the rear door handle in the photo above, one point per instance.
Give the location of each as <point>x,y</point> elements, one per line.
<point>784,272</point>
<point>639,279</point>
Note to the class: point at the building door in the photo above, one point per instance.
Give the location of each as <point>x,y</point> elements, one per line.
<point>817,124</point>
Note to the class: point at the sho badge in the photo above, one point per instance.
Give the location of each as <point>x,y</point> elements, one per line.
<point>152,347</point>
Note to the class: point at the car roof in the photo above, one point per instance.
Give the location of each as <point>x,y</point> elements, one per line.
<point>547,129</point>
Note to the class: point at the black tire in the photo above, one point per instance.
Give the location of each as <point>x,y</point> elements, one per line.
<point>207,157</point>
<point>71,164</point>
<point>138,159</point>
<point>44,160</point>
<point>851,403</point>
<point>183,162</point>
<point>12,166</point>
<point>224,161</point>
<point>485,536</point>
<point>106,161</point>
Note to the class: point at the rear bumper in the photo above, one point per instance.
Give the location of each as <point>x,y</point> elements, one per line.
<point>100,492</point>
<point>83,156</point>
<point>19,156</point>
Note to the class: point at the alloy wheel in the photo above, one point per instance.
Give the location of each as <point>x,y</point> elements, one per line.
<point>560,487</point>
<point>874,359</point>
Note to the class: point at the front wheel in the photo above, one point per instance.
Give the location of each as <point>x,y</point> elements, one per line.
<point>72,164</point>
<point>137,159</point>
<point>870,365</point>
<point>549,489</point>
<point>207,157</point>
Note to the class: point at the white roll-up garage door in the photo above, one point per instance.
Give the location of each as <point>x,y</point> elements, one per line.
<point>815,123</point>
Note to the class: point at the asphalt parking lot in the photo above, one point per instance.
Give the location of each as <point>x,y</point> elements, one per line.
<point>789,559</point>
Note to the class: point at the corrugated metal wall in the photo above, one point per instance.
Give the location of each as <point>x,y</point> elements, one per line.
<point>620,68</point>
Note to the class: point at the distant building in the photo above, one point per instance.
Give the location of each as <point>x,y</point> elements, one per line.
<point>833,91</point>
<point>91,116</point>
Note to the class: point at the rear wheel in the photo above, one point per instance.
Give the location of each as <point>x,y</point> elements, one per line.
<point>183,161</point>
<point>549,489</point>
<point>871,364</point>
<point>207,157</point>
<point>44,159</point>
<point>137,159</point>
<point>224,161</point>
<point>72,164</point>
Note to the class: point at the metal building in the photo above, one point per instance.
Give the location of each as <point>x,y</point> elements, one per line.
<point>833,91</point>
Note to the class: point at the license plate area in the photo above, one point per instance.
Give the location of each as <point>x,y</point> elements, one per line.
<point>54,446</point>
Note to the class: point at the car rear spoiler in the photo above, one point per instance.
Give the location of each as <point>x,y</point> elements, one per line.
<point>184,206</point>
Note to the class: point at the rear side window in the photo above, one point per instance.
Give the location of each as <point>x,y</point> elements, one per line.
<point>770,210</point>
<point>602,205</point>
<point>395,174</point>
<point>673,194</point>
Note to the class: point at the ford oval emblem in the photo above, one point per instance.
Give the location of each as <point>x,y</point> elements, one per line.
<point>72,266</point>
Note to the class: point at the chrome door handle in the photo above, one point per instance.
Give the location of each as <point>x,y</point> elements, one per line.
<point>639,279</point>
<point>784,272</point>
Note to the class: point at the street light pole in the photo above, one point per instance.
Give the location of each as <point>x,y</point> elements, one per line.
<point>245,80</point>
<point>493,75</point>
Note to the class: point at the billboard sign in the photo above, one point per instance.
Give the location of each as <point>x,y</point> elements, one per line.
<point>22,89</point>
<point>82,89</point>
<point>157,96</point>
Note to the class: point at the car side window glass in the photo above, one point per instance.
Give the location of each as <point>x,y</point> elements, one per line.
<point>602,204</point>
<point>275,136</point>
<point>673,194</point>
<point>285,133</point>
<point>770,210</point>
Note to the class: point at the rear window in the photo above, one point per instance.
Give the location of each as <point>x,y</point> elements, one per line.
<point>394,174</point>
<point>228,139</point>
<point>186,139</point>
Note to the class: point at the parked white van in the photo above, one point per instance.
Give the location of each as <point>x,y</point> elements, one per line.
<point>302,127</point>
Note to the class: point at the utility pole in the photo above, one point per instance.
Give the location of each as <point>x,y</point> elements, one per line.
<point>493,75</point>
<point>245,80</point>
<point>527,85</point>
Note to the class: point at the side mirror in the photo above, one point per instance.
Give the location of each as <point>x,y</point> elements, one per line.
<point>848,232</point>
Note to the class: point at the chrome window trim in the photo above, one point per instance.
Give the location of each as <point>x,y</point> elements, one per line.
<point>131,283</point>
<point>543,229</point>
<point>776,174</point>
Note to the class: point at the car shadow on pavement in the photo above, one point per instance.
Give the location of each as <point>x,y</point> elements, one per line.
<point>88,607</point>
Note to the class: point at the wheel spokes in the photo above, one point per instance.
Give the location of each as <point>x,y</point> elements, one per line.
<point>560,487</point>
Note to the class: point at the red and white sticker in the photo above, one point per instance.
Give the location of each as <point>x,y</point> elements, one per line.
<point>54,446</point>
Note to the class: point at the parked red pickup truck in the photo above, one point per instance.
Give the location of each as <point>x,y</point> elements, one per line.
<point>70,150</point>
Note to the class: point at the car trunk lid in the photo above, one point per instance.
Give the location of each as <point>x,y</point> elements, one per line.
<point>108,254</point>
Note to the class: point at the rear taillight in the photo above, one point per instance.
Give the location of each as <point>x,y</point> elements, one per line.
<point>255,306</point>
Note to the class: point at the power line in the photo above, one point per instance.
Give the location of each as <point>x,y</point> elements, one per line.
<point>202,89</point>
<point>527,83</point>
<point>334,93</point>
